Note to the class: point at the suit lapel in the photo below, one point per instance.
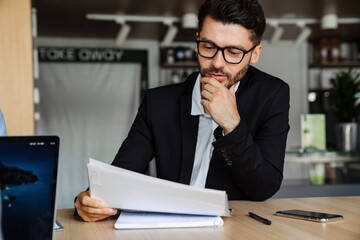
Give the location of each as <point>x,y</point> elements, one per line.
<point>242,92</point>
<point>189,130</point>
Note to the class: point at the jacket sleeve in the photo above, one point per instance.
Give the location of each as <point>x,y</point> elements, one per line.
<point>137,150</point>
<point>255,159</point>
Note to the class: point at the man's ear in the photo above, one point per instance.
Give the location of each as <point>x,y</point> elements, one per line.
<point>197,37</point>
<point>256,54</point>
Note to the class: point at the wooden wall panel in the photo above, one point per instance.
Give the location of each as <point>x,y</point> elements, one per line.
<point>16,66</point>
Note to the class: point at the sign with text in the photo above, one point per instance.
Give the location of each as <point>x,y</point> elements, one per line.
<point>68,54</point>
<point>97,55</point>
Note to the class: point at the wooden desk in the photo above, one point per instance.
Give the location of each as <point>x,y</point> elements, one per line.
<point>239,226</point>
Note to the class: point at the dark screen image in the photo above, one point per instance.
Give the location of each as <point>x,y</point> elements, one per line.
<point>28,185</point>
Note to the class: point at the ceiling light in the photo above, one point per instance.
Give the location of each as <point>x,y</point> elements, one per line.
<point>123,34</point>
<point>125,29</point>
<point>329,21</point>
<point>190,20</point>
<point>304,34</point>
<point>131,18</point>
<point>278,32</point>
<point>170,35</point>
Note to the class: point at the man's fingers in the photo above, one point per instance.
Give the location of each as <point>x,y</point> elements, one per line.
<point>211,81</point>
<point>206,95</point>
<point>208,87</point>
<point>89,214</point>
<point>88,201</point>
<point>89,218</point>
<point>94,213</point>
<point>85,200</point>
<point>102,211</point>
<point>91,210</point>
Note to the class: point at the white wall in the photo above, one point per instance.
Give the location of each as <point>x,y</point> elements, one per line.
<point>72,165</point>
<point>289,62</point>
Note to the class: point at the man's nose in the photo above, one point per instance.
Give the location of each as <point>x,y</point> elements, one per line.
<point>218,60</point>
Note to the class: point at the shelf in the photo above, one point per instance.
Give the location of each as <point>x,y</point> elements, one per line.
<point>332,152</point>
<point>336,65</point>
<point>323,156</point>
<point>320,90</point>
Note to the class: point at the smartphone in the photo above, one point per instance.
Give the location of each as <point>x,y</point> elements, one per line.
<point>310,216</point>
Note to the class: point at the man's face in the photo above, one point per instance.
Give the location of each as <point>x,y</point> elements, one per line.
<point>225,35</point>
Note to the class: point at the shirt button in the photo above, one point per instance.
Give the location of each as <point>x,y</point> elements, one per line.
<point>229,162</point>
<point>223,150</point>
<point>227,158</point>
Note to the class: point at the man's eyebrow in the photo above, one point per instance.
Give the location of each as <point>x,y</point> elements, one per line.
<point>228,46</point>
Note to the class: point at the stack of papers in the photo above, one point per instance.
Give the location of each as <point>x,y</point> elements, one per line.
<point>136,220</point>
<point>128,190</point>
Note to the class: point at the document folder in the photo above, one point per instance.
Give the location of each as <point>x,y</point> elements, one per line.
<point>128,190</point>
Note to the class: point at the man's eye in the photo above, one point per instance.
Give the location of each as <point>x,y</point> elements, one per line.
<point>233,51</point>
<point>210,47</point>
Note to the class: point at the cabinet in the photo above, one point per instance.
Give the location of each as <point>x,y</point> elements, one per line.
<point>334,52</point>
<point>328,56</point>
<point>176,63</point>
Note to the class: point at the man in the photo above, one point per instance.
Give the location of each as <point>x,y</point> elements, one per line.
<point>225,128</point>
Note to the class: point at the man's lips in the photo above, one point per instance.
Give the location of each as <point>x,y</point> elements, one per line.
<point>218,77</point>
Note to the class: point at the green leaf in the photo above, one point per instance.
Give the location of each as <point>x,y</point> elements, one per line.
<point>345,91</point>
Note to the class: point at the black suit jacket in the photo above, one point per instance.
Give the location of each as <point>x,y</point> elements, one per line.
<point>247,163</point>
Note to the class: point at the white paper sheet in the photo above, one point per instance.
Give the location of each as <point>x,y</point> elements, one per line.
<point>143,220</point>
<point>125,189</point>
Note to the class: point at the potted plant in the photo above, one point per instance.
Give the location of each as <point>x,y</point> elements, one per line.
<point>346,105</point>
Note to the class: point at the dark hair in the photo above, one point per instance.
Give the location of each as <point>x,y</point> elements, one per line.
<point>247,13</point>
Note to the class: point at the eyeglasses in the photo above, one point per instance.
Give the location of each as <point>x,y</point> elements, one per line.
<point>231,55</point>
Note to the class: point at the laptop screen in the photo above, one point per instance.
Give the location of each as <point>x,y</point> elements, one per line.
<point>28,175</point>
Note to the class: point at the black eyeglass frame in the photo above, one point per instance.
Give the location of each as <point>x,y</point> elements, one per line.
<point>222,50</point>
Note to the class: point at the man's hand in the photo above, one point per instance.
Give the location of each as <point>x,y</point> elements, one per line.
<point>220,103</point>
<point>92,210</point>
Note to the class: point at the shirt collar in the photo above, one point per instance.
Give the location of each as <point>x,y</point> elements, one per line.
<point>196,107</point>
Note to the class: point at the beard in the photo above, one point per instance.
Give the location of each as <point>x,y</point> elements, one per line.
<point>231,78</point>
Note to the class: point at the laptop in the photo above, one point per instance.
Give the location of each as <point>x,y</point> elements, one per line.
<point>28,177</point>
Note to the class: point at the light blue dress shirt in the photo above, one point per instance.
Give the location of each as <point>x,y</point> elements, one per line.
<point>2,125</point>
<point>205,138</point>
